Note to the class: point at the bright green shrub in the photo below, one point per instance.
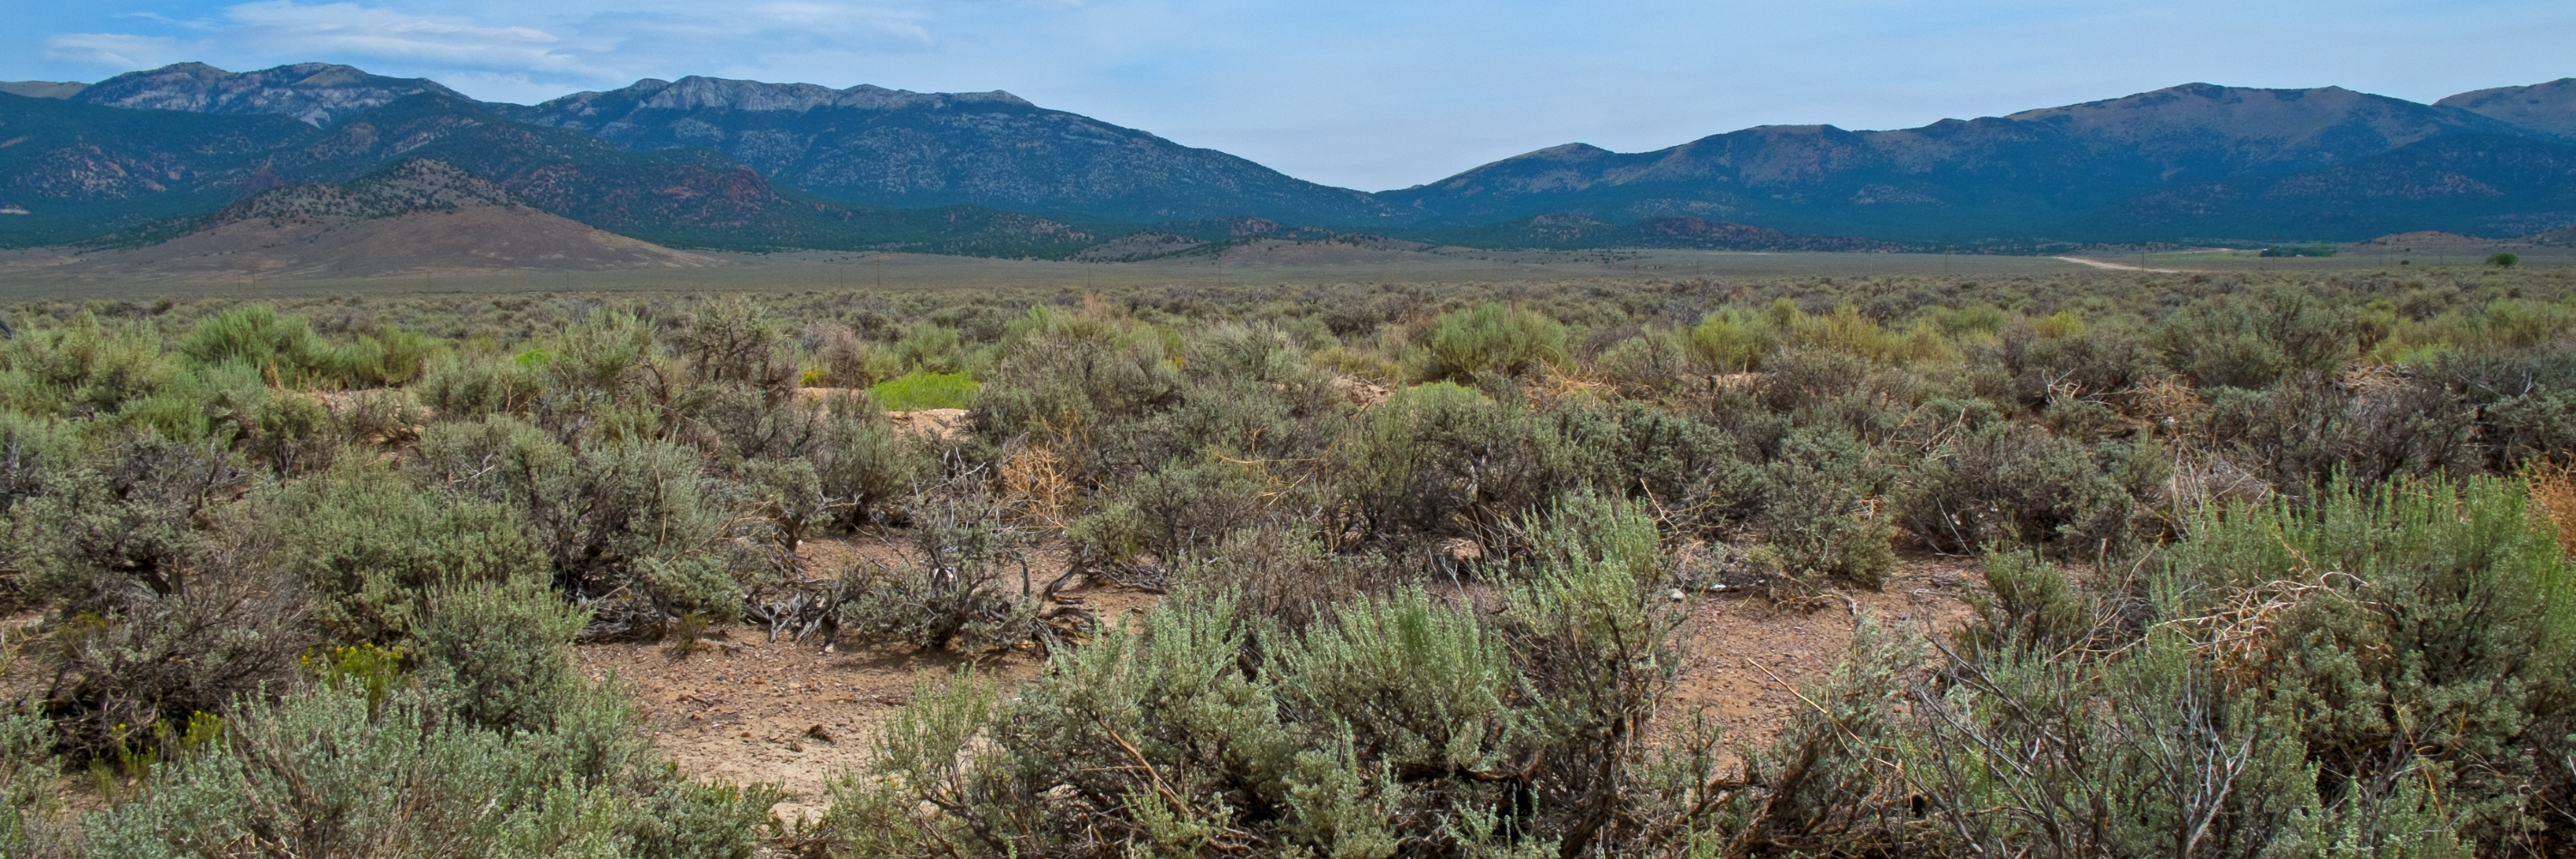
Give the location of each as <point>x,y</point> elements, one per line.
<point>1734,341</point>
<point>284,347</point>
<point>1490,339</point>
<point>922,390</point>
<point>463,385</point>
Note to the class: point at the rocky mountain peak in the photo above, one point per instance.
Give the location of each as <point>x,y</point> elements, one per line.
<point>317,93</point>
<point>693,93</point>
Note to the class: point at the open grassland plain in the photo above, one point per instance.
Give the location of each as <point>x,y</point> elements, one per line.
<point>1618,554</point>
<point>36,274</point>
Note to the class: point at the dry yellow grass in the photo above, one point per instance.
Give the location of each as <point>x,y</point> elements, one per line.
<point>2553,495</point>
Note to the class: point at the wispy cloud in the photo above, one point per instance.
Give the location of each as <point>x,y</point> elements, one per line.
<point>116,50</point>
<point>349,29</point>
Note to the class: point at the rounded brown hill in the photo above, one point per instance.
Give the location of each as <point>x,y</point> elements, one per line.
<point>416,216</point>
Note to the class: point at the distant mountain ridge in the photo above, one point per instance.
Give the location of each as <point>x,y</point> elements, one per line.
<point>713,162</point>
<point>88,170</point>
<point>2033,172</point>
<point>2548,107</point>
<point>879,147</point>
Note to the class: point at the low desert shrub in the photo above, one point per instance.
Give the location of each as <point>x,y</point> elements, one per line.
<point>1385,721</point>
<point>2249,341</point>
<point>328,771</point>
<point>466,386</point>
<point>125,521</point>
<point>1443,459</point>
<point>1824,523</point>
<point>2022,484</point>
<point>122,678</point>
<point>629,522</point>
<point>500,651</point>
<point>370,547</point>
<point>955,586</point>
<point>860,464</point>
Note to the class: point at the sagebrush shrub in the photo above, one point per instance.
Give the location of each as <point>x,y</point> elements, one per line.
<point>1823,523</point>
<point>628,519</point>
<point>1444,459</point>
<point>329,772</point>
<point>499,650</point>
<point>151,661</point>
<point>371,548</point>
<point>2020,483</point>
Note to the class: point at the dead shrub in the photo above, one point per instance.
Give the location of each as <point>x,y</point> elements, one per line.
<point>2553,492</point>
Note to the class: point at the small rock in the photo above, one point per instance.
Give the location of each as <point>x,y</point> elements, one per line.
<point>795,746</point>
<point>817,732</point>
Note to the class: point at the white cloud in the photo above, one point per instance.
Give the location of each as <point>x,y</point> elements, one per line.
<point>348,29</point>
<point>116,49</point>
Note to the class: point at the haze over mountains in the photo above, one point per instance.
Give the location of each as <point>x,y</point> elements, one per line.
<point>706,162</point>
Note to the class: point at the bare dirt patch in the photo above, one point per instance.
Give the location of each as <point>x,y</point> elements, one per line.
<point>745,709</point>
<point>1748,657</point>
<point>742,708</point>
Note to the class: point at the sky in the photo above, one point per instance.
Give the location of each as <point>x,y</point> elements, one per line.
<point>1369,94</point>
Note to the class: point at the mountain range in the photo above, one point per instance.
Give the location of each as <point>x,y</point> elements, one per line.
<point>708,162</point>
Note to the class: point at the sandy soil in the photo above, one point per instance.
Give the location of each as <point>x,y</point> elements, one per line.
<point>1749,657</point>
<point>745,709</point>
<point>740,707</point>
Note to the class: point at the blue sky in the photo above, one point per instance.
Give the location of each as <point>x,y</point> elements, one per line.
<point>1371,95</point>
